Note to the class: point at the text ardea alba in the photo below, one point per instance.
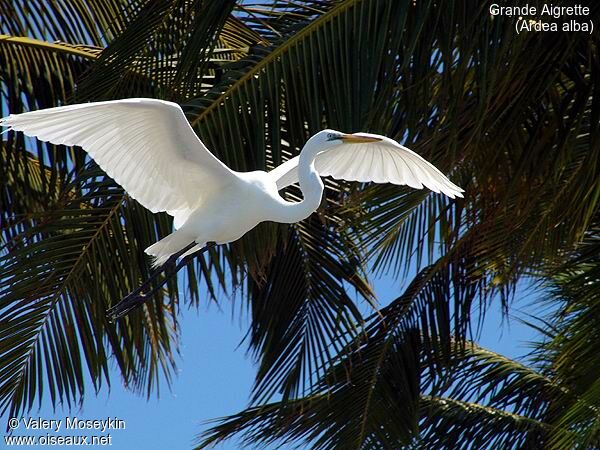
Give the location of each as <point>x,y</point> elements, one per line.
<point>149,148</point>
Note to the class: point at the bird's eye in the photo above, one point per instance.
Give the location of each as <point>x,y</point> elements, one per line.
<point>331,136</point>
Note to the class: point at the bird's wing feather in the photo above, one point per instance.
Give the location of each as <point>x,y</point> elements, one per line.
<point>286,173</point>
<point>384,161</point>
<point>145,145</point>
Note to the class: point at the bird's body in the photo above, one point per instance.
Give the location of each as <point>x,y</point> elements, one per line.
<point>223,217</point>
<point>149,148</point>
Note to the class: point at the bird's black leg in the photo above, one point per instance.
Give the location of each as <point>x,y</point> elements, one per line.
<point>137,297</point>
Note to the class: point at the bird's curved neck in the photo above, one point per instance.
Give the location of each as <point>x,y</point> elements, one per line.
<point>310,185</point>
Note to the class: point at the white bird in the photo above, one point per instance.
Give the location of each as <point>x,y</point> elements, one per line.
<point>150,149</point>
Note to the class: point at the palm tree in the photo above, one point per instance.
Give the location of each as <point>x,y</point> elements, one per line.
<point>373,397</point>
<point>512,117</point>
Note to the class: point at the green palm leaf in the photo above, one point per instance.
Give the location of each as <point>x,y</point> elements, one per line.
<point>83,242</point>
<point>77,21</point>
<point>329,420</point>
<point>171,43</point>
<point>520,170</point>
<point>255,107</point>
<point>571,353</point>
<point>301,312</point>
<point>58,278</point>
<point>35,74</point>
<point>369,398</point>
<point>453,424</point>
<point>514,119</point>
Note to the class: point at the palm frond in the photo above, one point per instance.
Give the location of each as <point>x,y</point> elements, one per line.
<point>58,278</point>
<point>326,419</point>
<point>35,74</point>
<point>572,355</point>
<point>301,311</point>
<point>275,19</point>
<point>514,119</point>
<point>77,21</point>
<point>259,93</point>
<point>170,44</point>
<point>518,205</point>
<point>23,190</point>
<point>450,424</point>
<point>370,388</point>
<point>326,71</point>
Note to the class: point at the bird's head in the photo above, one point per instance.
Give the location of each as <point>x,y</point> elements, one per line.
<point>330,138</point>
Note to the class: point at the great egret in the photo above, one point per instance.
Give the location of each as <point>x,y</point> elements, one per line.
<point>149,148</point>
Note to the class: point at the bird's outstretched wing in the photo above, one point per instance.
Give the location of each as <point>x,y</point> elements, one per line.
<point>145,145</point>
<point>384,161</point>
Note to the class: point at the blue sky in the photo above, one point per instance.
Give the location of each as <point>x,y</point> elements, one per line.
<point>215,378</point>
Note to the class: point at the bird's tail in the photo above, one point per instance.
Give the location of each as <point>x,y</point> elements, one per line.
<point>168,246</point>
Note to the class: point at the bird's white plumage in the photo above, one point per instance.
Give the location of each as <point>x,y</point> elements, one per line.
<point>383,161</point>
<point>145,145</point>
<point>149,148</point>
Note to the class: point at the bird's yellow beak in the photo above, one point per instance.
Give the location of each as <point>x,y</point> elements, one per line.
<point>357,139</point>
